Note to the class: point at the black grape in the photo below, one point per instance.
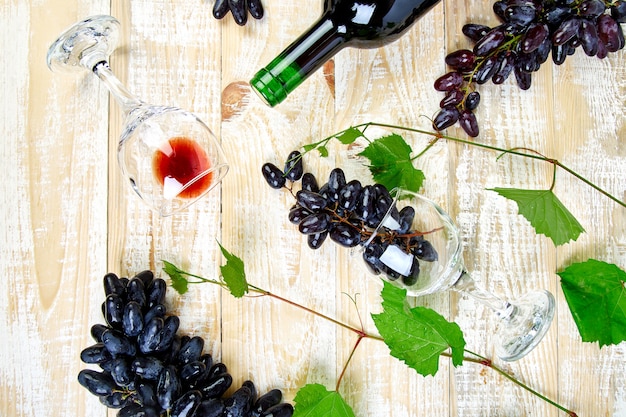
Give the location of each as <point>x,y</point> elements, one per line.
<point>312,201</point>
<point>273,175</point>
<point>114,310</point>
<point>309,182</point>
<point>95,354</point>
<point>118,344</point>
<point>98,383</point>
<point>297,214</point>
<point>345,235</point>
<point>452,98</point>
<point>121,371</point>
<point>336,181</point>
<point>279,410</point>
<point>191,351</point>
<point>168,387</point>
<point>315,223</point>
<point>463,59</point>
<point>147,367</point>
<point>158,310</point>
<point>186,404</point>
<point>148,339</point>
<point>217,386</point>
<point>293,166</point>
<point>475,31</point>
<point>468,122</point>
<point>112,285</point>
<point>449,81</point>
<point>135,291</point>
<point>192,372</point>
<point>349,195</point>
<point>265,401</point>
<point>132,319</point>
<point>156,292</point>
<point>424,250</point>
<point>238,404</point>
<point>315,240</point>
<point>446,117</point>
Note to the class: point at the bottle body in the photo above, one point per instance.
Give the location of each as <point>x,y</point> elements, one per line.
<point>357,23</point>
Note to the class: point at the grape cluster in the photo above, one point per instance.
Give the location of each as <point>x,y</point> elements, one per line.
<point>148,370</point>
<point>353,214</point>
<point>239,9</point>
<point>530,30</point>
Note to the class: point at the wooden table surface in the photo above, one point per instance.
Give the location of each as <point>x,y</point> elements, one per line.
<point>67,217</point>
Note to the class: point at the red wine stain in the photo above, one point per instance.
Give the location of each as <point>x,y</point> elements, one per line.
<point>178,162</point>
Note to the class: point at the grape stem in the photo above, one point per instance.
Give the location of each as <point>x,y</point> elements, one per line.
<point>489,363</point>
<point>514,151</point>
<point>529,153</point>
<point>362,334</point>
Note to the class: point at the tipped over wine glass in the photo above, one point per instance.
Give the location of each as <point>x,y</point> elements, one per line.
<point>418,247</point>
<point>168,155</point>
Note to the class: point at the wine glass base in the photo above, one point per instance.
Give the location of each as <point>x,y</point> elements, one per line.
<point>84,44</point>
<point>527,324</point>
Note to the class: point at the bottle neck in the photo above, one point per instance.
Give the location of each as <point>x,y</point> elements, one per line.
<point>296,63</point>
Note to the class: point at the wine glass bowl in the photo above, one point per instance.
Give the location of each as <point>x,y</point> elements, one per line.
<point>168,155</point>
<point>419,251</point>
<point>418,247</point>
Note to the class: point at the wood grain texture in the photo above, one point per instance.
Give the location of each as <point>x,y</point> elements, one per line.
<point>67,216</point>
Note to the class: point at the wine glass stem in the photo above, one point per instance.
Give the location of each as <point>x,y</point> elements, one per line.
<point>466,285</point>
<point>120,93</point>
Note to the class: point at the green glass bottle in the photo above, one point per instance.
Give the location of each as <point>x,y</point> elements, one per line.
<point>357,23</point>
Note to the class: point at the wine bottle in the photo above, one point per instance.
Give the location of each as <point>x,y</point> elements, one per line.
<point>357,23</point>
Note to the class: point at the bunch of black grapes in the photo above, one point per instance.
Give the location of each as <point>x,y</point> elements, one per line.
<point>149,370</point>
<point>530,30</point>
<point>350,213</point>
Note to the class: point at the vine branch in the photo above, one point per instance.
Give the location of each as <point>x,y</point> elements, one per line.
<point>514,151</point>
<point>360,332</point>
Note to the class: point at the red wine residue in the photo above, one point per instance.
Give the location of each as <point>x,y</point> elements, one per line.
<point>178,162</point>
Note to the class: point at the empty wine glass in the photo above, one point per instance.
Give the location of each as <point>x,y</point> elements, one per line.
<point>169,156</point>
<point>417,247</point>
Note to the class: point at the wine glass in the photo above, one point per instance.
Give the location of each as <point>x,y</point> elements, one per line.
<point>417,247</point>
<point>169,156</point>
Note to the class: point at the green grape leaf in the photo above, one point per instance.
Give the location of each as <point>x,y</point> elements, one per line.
<point>417,336</point>
<point>545,212</point>
<point>349,135</point>
<point>179,282</point>
<point>391,165</point>
<point>596,295</point>
<point>234,274</point>
<point>314,400</point>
